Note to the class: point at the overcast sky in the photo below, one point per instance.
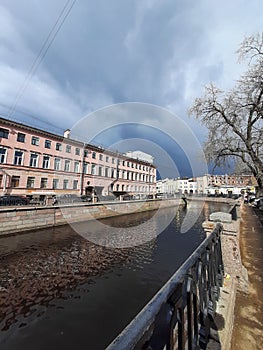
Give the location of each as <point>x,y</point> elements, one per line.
<point>161,52</point>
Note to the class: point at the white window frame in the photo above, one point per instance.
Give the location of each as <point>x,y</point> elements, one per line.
<point>46,162</point>
<point>3,155</point>
<point>34,160</point>
<point>67,165</point>
<point>55,181</point>
<point>65,184</point>
<point>57,163</point>
<point>93,169</point>
<point>75,184</point>
<point>76,167</point>
<point>36,141</point>
<point>20,157</point>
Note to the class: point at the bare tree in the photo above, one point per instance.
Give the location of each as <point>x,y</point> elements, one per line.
<point>235,118</point>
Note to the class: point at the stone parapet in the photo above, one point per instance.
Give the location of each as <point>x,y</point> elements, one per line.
<point>235,278</point>
<point>16,220</point>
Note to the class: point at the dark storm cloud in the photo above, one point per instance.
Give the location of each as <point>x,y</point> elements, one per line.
<point>160,52</point>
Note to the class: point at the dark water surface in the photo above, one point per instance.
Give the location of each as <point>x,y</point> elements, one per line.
<point>59,291</point>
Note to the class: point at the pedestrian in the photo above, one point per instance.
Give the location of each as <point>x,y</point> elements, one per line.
<point>246,198</point>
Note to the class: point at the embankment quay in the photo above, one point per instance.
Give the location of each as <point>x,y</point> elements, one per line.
<point>58,289</point>
<point>20,219</point>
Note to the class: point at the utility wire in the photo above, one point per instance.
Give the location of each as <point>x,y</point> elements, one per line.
<point>43,51</point>
<point>34,117</point>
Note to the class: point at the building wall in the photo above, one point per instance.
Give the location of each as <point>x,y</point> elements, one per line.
<point>173,186</point>
<point>34,161</point>
<point>207,184</point>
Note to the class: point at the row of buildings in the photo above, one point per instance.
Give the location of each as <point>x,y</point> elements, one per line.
<point>217,185</point>
<point>36,162</point>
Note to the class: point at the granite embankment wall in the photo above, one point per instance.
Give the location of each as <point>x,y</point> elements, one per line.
<point>20,219</point>
<point>235,278</point>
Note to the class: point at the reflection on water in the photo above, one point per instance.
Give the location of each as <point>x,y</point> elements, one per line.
<point>126,231</point>
<point>57,285</point>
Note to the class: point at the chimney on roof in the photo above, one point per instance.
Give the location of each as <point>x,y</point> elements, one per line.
<point>67,134</point>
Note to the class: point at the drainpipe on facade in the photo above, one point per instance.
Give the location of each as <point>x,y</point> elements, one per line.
<point>149,186</point>
<point>82,170</point>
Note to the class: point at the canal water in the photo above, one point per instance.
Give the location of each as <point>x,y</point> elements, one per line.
<point>60,291</point>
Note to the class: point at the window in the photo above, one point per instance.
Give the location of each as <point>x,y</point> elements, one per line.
<point>85,168</point>
<point>93,169</point>
<point>18,159</point>
<point>100,157</point>
<point>30,182</point>
<point>45,164</point>
<point>65,184</point>
<point>86,153</point>
<point>1,179</point>
<point>128,164</point>
<point>75,184</point>
<point>57,163</point>
<point>47,144</point>
<point>43,182</point>
<point>123,162</point>
<point>107,172</point>
<point>100,171</point>
<point>107,159</point>
<point>15,181</point>
<point>4,133</point>
<point>94,155</point>
<point>77,151</point>
<point>58,146</point>
<point>113,160</point>
<point>21,137</point>
<point>35,141</point>
<point>132,165</point>
<point>68,149</point>
<point>76,167</point>
<point>2,155</point>
<point>55,184</point>
<point>67,165</point>
<point>33,160</point>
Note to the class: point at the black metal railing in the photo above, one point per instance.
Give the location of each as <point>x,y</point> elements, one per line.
<point>180,314</point>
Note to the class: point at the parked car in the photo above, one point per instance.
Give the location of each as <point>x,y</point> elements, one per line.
<point>68,199</point>
<point>13,200</point>
<point>86,198</point>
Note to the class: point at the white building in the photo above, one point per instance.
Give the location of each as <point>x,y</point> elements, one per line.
<point>187,186</point>
<point>166,186</point>
<point>140,156</point>
<point>176,186</point>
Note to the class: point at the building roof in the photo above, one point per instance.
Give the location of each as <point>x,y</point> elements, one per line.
<point>12,123</point>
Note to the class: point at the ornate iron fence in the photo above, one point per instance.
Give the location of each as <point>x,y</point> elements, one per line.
<point>178,316</point>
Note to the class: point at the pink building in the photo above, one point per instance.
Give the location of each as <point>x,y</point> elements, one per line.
<point>33,161</point>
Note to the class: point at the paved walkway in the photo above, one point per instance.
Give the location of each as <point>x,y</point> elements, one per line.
<point>248,323</point>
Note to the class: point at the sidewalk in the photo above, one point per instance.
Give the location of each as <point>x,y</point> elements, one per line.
<point>238,321</point>
<point>248,323</point>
